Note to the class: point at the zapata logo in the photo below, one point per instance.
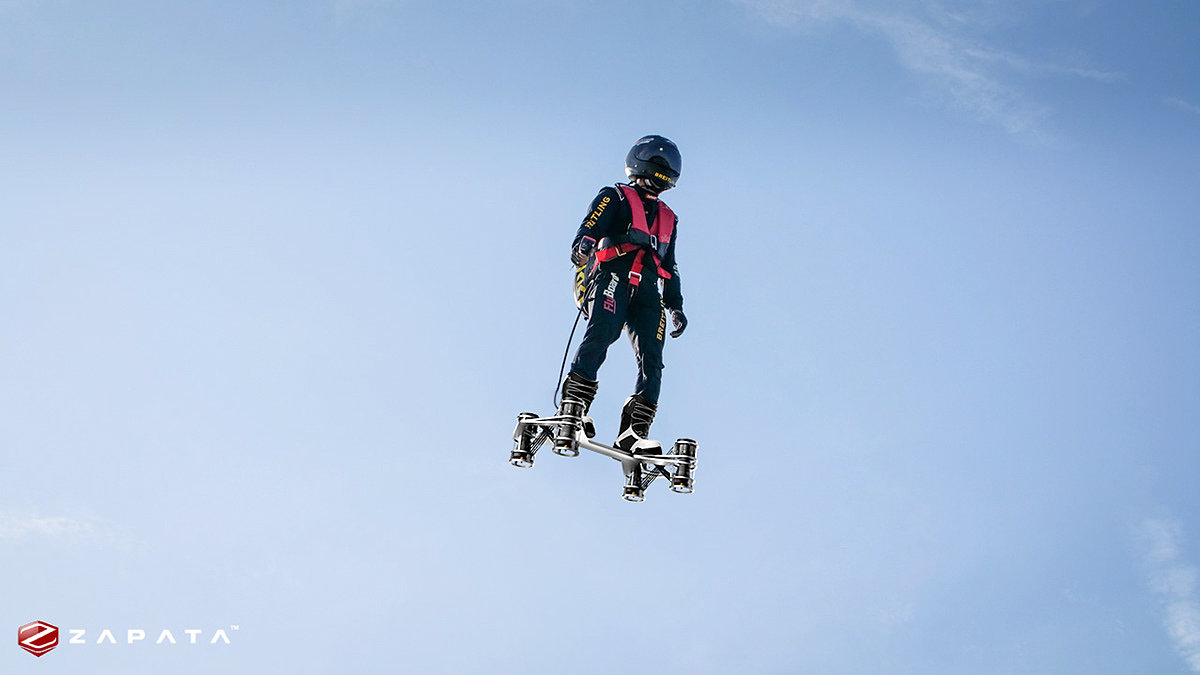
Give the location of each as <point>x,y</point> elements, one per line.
<point>38,637</point>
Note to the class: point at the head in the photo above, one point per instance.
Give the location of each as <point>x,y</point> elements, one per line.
<point>653,163</point>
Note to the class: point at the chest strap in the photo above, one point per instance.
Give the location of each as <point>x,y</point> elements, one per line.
<point>656,238</point>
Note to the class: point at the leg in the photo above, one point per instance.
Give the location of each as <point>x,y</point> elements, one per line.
<point>604,326</point>
<point>647,327</point>
<point>575,388</point>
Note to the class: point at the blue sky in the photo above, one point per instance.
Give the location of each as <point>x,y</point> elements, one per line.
<point>278,277</point>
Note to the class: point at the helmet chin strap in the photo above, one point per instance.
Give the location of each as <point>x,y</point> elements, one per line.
<point>648,186</point>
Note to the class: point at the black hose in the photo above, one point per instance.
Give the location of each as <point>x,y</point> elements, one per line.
<point>562,369</point>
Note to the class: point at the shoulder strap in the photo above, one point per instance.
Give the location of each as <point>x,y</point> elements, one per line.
<point>664,224</point>
<point>656,236</point>
<point>637,209</point>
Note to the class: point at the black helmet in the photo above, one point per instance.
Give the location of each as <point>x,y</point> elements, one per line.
<point>656,159</point>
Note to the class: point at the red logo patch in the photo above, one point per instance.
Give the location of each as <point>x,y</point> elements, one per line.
<point>38,637</point>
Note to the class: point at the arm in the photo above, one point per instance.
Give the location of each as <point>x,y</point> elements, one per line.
<point>599,223</point>
<point>672,288</point>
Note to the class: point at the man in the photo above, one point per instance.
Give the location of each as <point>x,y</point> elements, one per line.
<point>624,246</point>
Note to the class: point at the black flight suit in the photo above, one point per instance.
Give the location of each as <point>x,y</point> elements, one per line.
<point>615,307</point>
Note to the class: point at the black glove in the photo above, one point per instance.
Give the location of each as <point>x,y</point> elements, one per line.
<point>680,322</point>
<point>582,250</point>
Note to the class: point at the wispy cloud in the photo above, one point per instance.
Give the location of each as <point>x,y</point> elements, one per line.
<point>62,529</point>
<point>15,527</point>
<point>942,47</point>
<point>1186,106</point>
<point>1019,63</point>
<point>1174,582</point>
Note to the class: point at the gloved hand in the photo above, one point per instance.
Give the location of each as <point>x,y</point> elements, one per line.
<point>680,322</point>
<point>582,250</point>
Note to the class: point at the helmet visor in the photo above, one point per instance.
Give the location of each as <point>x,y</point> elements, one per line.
<point>664,155</point>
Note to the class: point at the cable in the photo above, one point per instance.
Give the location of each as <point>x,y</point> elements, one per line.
<point>567,351</point>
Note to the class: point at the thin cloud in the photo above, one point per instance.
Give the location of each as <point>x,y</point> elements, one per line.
<point>1022,64</point>
<point>15,527</point>
<point>937,45</point>
<point>1176,102</point>
<point>954,67</point>
<point>61,529</point>
<point>1174,582</point>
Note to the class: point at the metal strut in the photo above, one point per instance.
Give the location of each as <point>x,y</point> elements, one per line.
<point>566,431</point>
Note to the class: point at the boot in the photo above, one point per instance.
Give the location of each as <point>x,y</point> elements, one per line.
<point>576,388</point>
<point>636,418</point>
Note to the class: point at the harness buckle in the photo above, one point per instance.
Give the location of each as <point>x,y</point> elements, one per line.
<point>635,278</point>
<point>654,242</point>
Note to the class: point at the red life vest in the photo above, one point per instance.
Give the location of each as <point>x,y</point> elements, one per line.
<point>641,237</point>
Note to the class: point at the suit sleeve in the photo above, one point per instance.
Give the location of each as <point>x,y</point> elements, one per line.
<point>672,289</point>
<point>601,219</point>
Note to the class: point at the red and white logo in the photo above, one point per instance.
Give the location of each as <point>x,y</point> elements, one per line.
<point>38,637</point>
